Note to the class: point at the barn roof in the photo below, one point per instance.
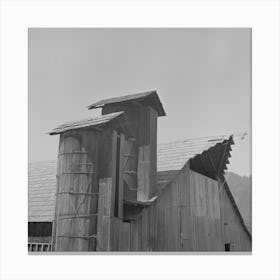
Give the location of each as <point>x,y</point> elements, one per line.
<point>149,98</point>
<point>174,155</point>
<point>171,158</point>
<point>91,122</point>
<point>41,191</point>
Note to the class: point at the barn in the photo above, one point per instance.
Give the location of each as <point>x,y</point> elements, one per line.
<point>113,188</point>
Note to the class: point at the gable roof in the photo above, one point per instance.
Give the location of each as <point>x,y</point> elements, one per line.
<point>171,158</point>
<point>149,98</point>
<point>174,155</point>
<point>92,122</point>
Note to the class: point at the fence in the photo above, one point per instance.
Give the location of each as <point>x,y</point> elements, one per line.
<point>39,247</point>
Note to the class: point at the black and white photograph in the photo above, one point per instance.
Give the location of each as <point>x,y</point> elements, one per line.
<point>139,140</point>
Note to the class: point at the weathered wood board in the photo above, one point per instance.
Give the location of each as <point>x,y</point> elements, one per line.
<point>190,215</point>
<point>147,153</point>
<point>77,192</point>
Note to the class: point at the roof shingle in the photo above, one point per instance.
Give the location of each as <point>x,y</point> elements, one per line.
<point>174,155</point>
<point>92,122</point>
<point>41,191</point>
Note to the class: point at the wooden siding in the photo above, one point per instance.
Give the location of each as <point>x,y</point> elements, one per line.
<point>147,154</point>
<point>205,213</point>
<point>192,214</point>
<point>233,230</point>
<point>130,148</point>
<point>140,149</point>
<point>112,233</point>
<point>130,169</point>
<point>104,215</point>
<point>39,239</point>
<point>77,192</point>
<point>165,224</point>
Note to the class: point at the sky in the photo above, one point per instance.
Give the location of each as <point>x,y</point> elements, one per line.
<point>202,76</point>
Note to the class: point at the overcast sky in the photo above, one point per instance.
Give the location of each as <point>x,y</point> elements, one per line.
<point>202,76</point>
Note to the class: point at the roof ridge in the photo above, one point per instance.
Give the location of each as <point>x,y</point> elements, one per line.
<point>103,101</point>
<point>197,138</point>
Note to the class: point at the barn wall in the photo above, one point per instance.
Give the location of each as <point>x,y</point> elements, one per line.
<point>189,216</point>
<point>205,212</point>
<point>233,231</point>
<point>164,226</point>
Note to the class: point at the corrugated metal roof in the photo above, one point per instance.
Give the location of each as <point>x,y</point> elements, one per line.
<point>143,96</point>
<point>171,156</point>
<point>92,122</point>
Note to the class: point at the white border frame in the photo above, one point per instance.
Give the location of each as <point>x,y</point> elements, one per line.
<point>17,16</point>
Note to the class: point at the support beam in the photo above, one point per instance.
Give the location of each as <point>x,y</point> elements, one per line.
<point>147,154</point>
<point>104,222</point>
<point>121,181</point>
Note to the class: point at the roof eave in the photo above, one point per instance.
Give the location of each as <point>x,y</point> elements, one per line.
<point>207,164</point>
<point>98,127</point>
<point>158,105</point>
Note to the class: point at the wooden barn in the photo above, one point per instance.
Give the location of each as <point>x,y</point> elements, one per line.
<point>116,190</point>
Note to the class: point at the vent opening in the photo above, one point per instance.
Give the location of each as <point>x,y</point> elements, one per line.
<point>227,247</point>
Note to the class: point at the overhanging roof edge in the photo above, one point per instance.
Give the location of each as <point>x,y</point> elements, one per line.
<point>130,98</point>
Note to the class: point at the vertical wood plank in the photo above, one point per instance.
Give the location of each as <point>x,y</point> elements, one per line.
<point>104,214</point>
<point>147,153</point>
<point>113,170</point>
<point>77,192</point>
<point>121,182</point>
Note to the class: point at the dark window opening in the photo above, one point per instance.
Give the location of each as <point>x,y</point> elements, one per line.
<point>116,209</point>
<point>227,247</point>
<point>39,229</point>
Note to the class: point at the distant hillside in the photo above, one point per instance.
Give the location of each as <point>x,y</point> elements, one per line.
<point>241,188</point>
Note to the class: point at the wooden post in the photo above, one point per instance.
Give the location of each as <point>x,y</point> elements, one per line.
<point>75,224</point>
<point>130,169</point>
<point>104,223</point>
<point>147,153</point>
<point>110,190</point>
<point>121,182</point>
